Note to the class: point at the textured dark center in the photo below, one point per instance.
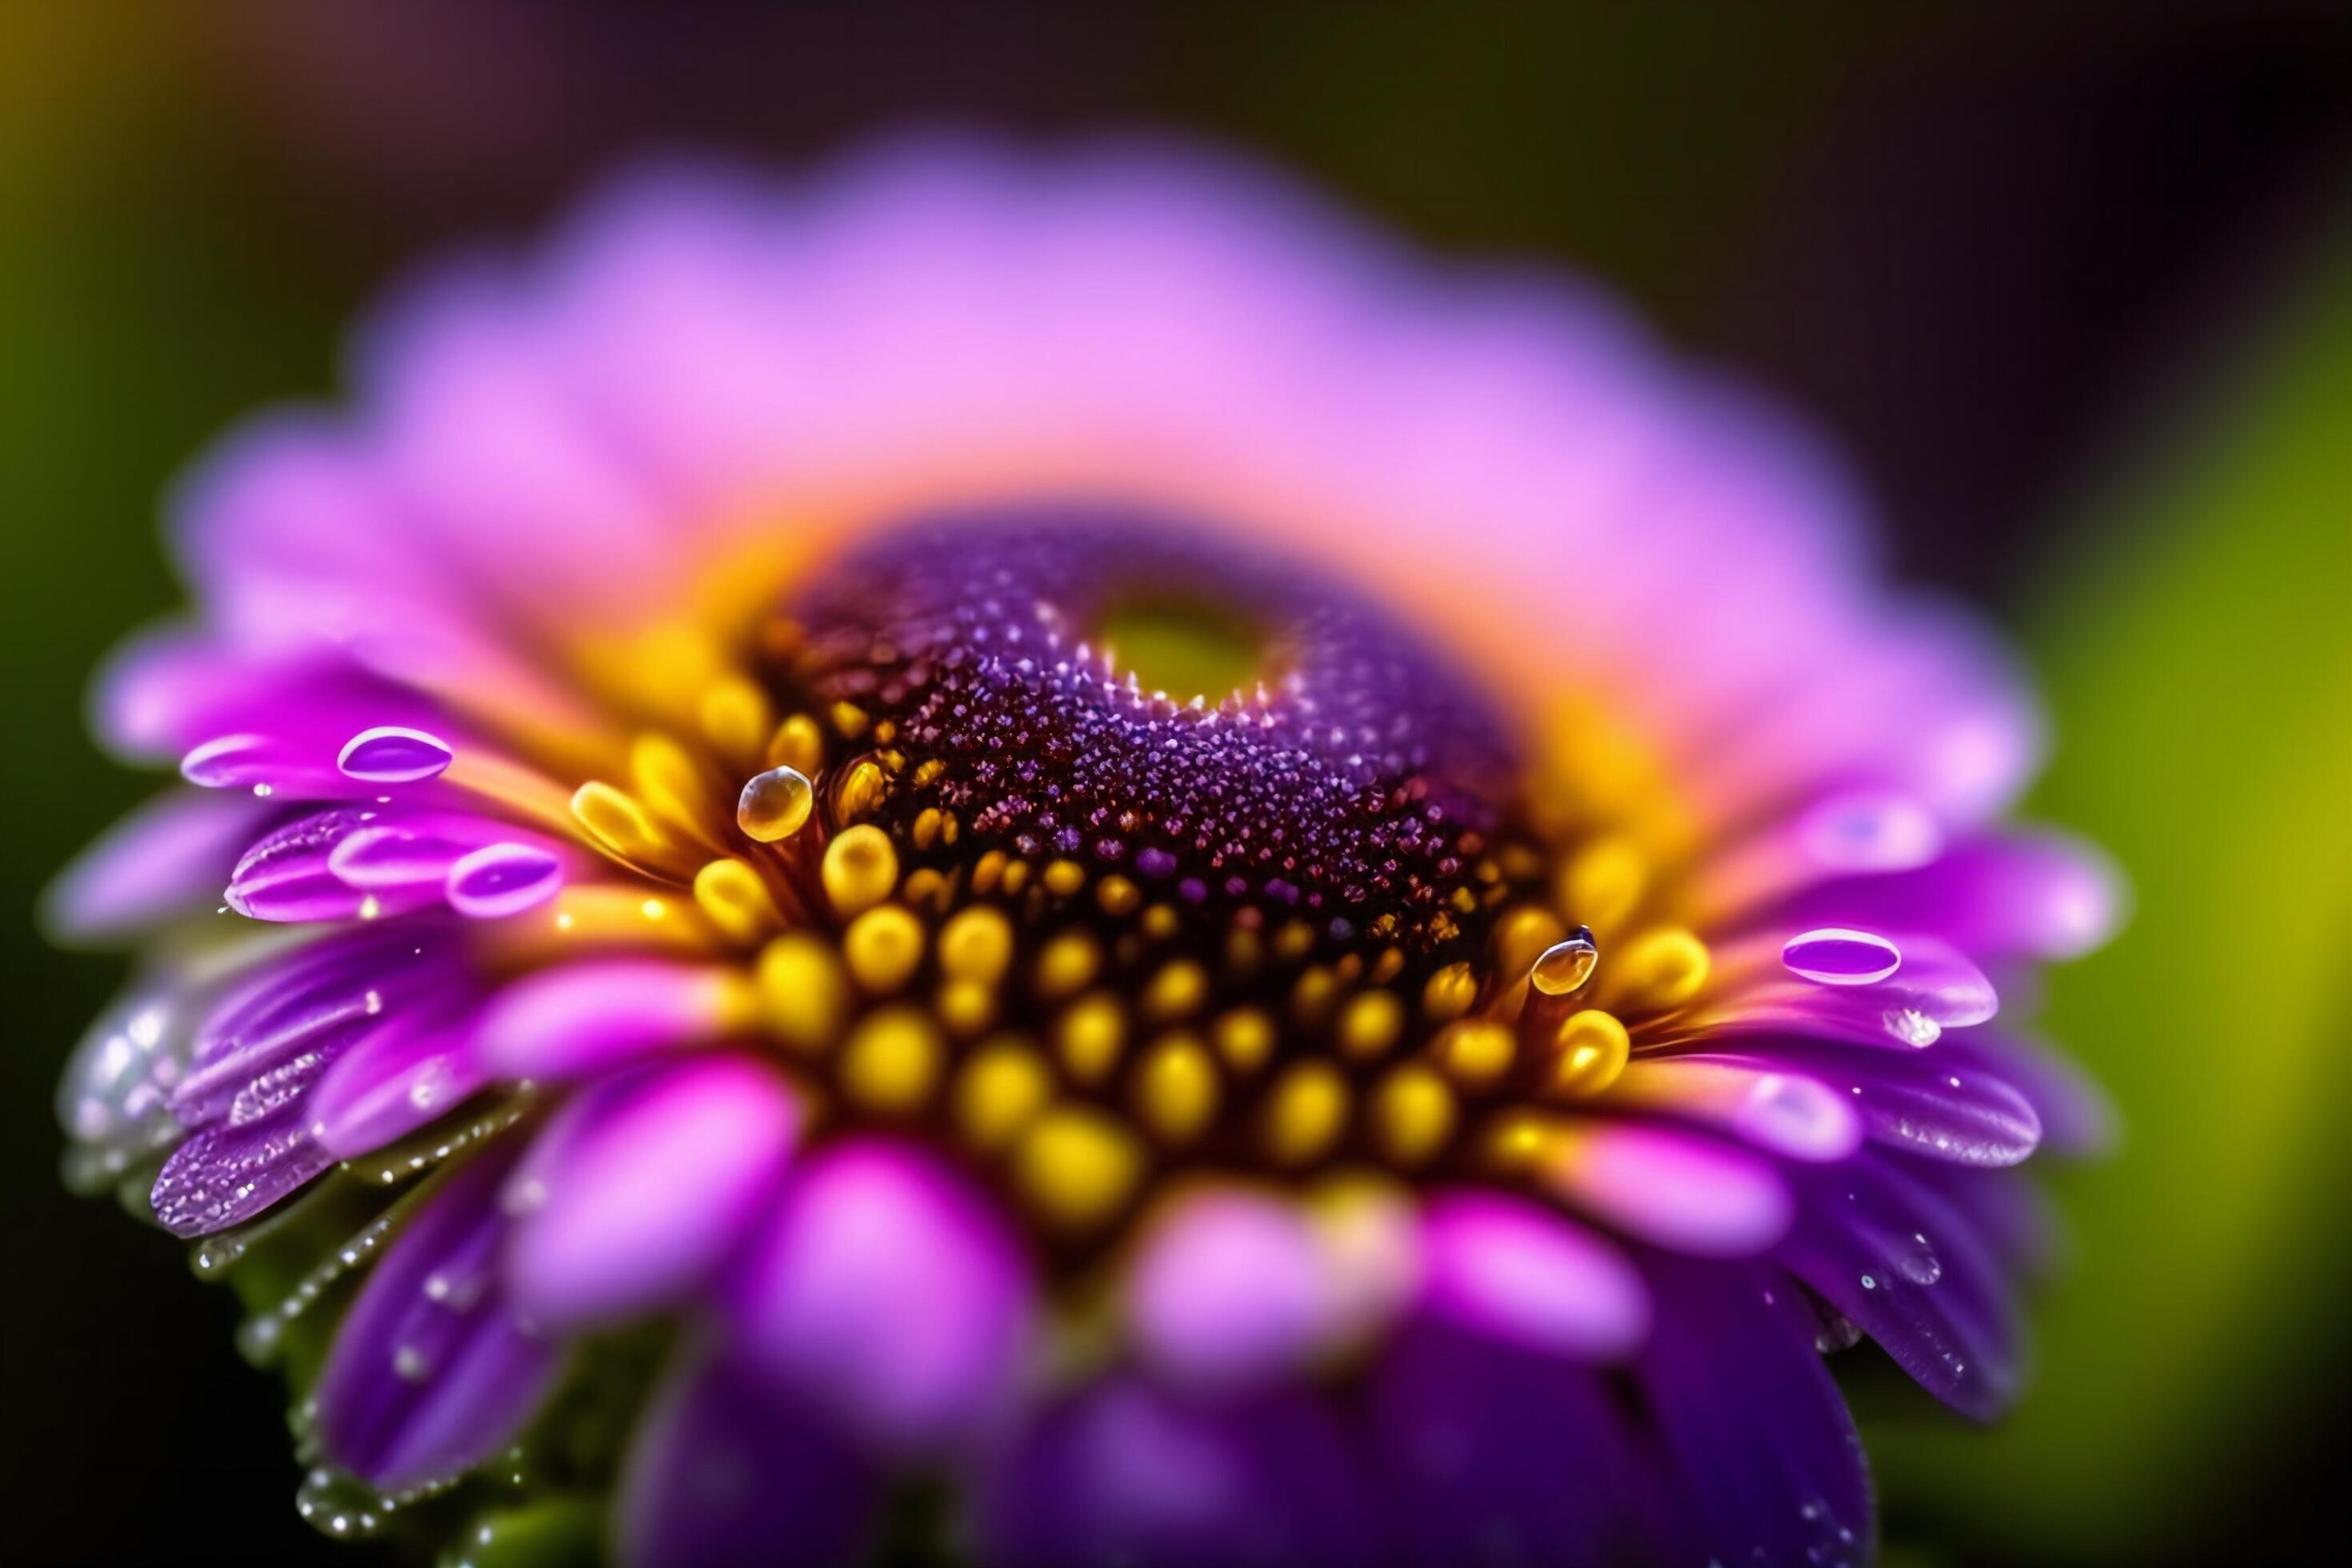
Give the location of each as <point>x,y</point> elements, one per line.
<point>1030,670</point>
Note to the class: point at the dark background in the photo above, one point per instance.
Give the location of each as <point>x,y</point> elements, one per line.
<point>1987,247</point>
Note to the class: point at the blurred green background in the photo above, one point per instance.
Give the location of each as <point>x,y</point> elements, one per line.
<point>2074,285</point>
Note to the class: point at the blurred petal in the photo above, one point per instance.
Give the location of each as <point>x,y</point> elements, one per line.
<point>1507,1268</point>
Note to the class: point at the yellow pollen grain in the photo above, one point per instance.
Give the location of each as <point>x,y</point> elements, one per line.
<point>860,868</point>
<point>1175,1089</point>
<point>1475,1052</point>
<point>1077,1166</point>
<point>1160,921</point>
<point>1387,965</point>
<point>1522,934</point>
<point>862,791</point>
<point>1450,993</point>
<point>1067,965</point>
<point>1660,969</point>
<point>966,1007</point>
<point>667,779</point>
<point>1305,1111</point>
<point>1370,1023</point>
<point>1176,992</point>
<point>849,720</point>
<point>1064,877</point>
<point>926,828</point>
<point>1245,1038</point>
<point>616,821</point>
<point>1313,995</point>
<point>882,948</point>
<point>1603,882</point>
<point>1517,1139</point>
<point>1412,1114</point>
<point>737,901</point>
<point>1243,952</point>
<point>1589,1049</point>
<point>1294,941</point>
<point>986,870</point>
<point>1001,1089</point>
<point>735,717</point>
<point>798,743</point>
<point>1118,897</point>
<point>891,1061</point>
<point>803,995</point>
<point>1017,877</point>
<point>976,944</point>
<point>1089,1036</point>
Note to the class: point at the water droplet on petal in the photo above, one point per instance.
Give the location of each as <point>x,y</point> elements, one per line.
<point>503,880</point>
<point>1835,955</point>
<point>1912,1026</point>
<point>1565,965</point>
<point>391,754</point>
<point>775,804</point>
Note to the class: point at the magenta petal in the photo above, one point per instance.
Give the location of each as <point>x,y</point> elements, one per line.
<point>227,1174</point>
<point>1673,1189</point>
<point>1526,1275</point>
<point>2034,894</point>
<point>648,1195</point>
<point>888,1292</point>
<point>391,1083</point>
<point>724,1470</point>
<point>589,1016</point>
<point>431,1372</point>
<point>291,875</point>
<point>1229,1290</point>
<point>168,859</point>
<point>1125,1473</point>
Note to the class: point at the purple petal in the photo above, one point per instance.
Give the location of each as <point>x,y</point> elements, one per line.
<point>889,1293</point>
<point>1122,1473</point>
<point>1908,1267</point>
<point>1762,1462</point>
<point>647,1197</point>
<point>586,1017</point>
<point>1521,1274</point>
<point>2076,1115</point>
<point>393,753</point>
<point>431,1372</point>
<point>1231,1289</point>
<point>292,874</point>
<point>1495,1454</point>
<point>168,859</point>
<point>1937,1103</point>
<point>392,1081</point>
<point>1670,1188</point>
<point>725,1470</point>
<point>227,1174</point>
<point>1782,1111</point>
<point>2027,894</point>
<point>504,879</point>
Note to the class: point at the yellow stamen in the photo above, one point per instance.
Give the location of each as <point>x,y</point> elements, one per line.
<point>882,948</point>
<point>1589,1049</point>
<point>1176,992</point>
<point>976,945</point>
<point>860,868</point>
<point>1245,1038</point>
<point>862,791</point>
<point>1475,1052</point>
<point>1371,1022</point>
<point>1003,1087</point>
<point>850,720</point>
<point>1090,1034</point>
<point>802,993</point>
<point>1176,1088</point>
<point>798,744</point>
<point>737,901</point>
<point>1064,877</point>
<point>1662,968</point>
<point>1118,896</point>
<point>616,821</point>
<point>965,1007</point>
<point>1313,996</point>
<point>1304,1113</point>
<point>1077,1166</point>
<point>1413,1115</point>
<point>735,717</point>
<point>1449,992</point>
<point>1603,882</point>
<point>1067,965</point>
<point>892,1060</point>
<point>667,779</point>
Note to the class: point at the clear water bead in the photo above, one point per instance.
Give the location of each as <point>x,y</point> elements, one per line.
<point>1564,966</point>
<point>775,804</point>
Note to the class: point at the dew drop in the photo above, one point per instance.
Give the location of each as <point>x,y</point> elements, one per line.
<point>391,754</point>
<point>1564,966</point>
<point>775,804</point>
<point>1835,955</point>
<point>1912,1026</point>
<point>503,880</point>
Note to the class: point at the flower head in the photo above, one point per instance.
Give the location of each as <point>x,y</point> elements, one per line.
<point>1052,860</point>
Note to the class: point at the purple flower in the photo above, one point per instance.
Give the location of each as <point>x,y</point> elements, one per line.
<point>1054,861</point>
